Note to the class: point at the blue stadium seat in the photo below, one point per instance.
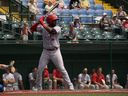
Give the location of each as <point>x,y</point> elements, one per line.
<point>40,5</point>
<point>67,2</point>
<point>89,19</point>
<point>99,7</point>
<point>40,1</point>
<point>59,11</point>
<point>86,19</point>
<point>82,12</point>
<point>91,12</point>
<point>99,12</point>
<point>92,7</point>
<point>109,12</point>
<point>83,19</point>
<point>65,12</point>
<point>74,12</point>
<point>91,1</point>
<point>66,19</point>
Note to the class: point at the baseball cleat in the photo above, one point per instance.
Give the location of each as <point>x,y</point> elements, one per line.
<point>71,88</point>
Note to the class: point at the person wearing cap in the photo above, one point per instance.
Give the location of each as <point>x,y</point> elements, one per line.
<point>74,26</point>
<point>105,23</point>
<point>84,81</point>
<point>51,49</point>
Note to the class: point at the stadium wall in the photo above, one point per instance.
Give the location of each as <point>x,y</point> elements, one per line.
<point>76,58</point>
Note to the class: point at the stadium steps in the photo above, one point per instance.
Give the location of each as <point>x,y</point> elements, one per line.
<point>15,15</point>
<point>106,6</point>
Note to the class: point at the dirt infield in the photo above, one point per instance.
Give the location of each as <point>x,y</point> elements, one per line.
<point>64,92</point>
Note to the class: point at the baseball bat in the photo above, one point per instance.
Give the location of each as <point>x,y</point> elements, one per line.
<point>55,6</point>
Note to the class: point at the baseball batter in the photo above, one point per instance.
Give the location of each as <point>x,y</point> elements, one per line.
<point>51,49</point>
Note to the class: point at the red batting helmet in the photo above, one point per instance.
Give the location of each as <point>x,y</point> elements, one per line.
<point>51,18</point>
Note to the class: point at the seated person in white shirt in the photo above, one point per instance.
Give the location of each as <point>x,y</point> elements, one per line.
<point>8,80</point>
<point>115,84</point>
<point>84,80</point>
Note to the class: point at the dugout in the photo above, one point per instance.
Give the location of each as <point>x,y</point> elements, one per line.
<point>90,54</point>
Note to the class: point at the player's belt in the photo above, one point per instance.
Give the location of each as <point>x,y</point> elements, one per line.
<point>51,49</point>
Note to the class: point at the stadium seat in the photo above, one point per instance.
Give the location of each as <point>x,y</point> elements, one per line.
<point>65,12</point>
<point>99,12</point>
<point>82,12</point>
<point>89,37</point>
<point>83,19</point>
<point>91,12</point>
<point>40,5</point>
<point>98,37</point>
<point>92,7</point>
<point>99,7</point>
<point>74,12</point>
<point>108,35</point>
<point>109,12</point>
<point>67,19</point>
<point>59,11</point>
<point>89,19</point>
<point>92,2</point>
<point>40,1</point>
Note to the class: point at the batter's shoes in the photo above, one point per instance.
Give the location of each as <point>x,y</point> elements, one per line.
<point>36,89</point>
<point>71,88</point>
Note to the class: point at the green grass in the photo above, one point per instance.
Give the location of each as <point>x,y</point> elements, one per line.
<point>115,94</point>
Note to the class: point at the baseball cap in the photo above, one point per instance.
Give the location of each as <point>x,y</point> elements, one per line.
<point>76,17</point>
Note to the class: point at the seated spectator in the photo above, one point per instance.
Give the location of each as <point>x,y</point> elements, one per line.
<point>58,81</point>
<point>126,85</point>
<point>85,4</point>
<point>46,79</point>
<point>8,80</point>
<point>25,32</point>
<point>115,84</point>
<point>84,80</point>
<point>116,25</point>
<point>46,2</point>
<point>73,35</point>
<point>18,85</point>
<point>105,23</point>
<point>33,8</point>
<point>98,79</point>
<point>121,14</point>
<point>74,4</point>
<point>32,78</point>
<point>62,5</point>
<point>48,7</point>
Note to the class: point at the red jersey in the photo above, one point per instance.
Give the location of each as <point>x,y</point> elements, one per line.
<point>100,78</point>
<point>97,78</point>
<point>57,73</point>
<point>94,78</point>
<point>46,73</point>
